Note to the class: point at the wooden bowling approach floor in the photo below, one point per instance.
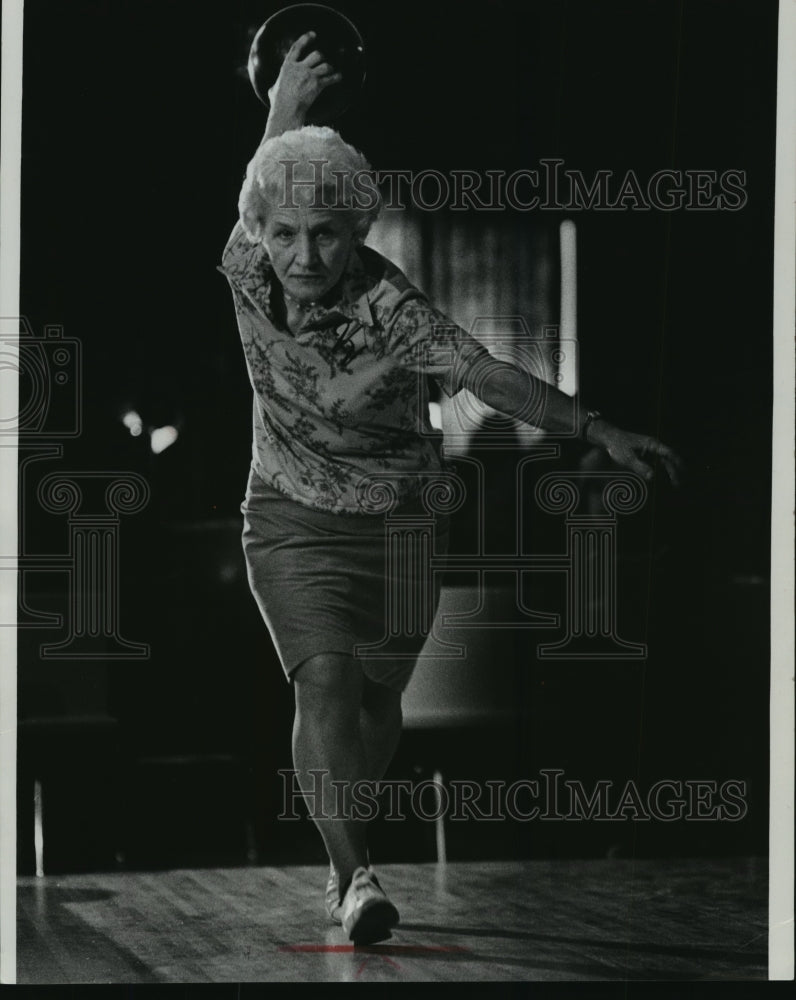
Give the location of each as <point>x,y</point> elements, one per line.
<point>604,919</point>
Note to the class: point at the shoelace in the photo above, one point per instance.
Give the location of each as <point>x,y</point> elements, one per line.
<point>362,881</point>
<point>343,889</point>
<point>365,880</point>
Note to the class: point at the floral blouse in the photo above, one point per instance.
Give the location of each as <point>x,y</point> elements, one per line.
<point>342,404</point>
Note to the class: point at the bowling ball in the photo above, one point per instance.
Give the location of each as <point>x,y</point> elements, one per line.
<point>336,39</point>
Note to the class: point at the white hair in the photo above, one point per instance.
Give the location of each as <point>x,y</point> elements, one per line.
<point>314,158</point>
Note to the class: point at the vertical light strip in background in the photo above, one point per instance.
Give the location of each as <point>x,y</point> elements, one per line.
<point>568,321</point>
<point>781,827</point>
<point>10,160</point>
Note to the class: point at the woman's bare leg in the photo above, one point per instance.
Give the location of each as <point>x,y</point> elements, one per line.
<point>327,738</point>
<point>380,721</point>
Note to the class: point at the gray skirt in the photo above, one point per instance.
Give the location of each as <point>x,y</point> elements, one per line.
<point>359,584</point>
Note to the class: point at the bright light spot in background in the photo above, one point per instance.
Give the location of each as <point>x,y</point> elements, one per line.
<point>38,829</point>
<point>435,416</point>
<point>133,423</point>
<point>163,437</point>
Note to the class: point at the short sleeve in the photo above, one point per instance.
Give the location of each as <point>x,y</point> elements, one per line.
<point>422,339</point>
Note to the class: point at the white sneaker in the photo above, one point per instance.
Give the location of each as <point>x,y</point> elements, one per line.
<point>334,906</point>
<point>367,914</point>
<point>333,903</point>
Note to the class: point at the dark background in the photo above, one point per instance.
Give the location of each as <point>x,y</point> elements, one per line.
<point>138,124</point>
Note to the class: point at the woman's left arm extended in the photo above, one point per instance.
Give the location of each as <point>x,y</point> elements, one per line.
<point>510,390</point>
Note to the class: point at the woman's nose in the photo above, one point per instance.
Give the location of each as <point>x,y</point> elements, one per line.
<point>306,251</point>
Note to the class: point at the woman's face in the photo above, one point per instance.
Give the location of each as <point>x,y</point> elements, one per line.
<point>309,248</point>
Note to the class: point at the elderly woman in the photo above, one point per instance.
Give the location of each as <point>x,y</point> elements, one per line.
<point>339,346</point>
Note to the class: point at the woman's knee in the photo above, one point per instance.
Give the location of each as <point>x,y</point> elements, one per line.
<point>330,682</point>
<point>381,701</point>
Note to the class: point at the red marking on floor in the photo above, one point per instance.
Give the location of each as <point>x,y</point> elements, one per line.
<point>384,958</point>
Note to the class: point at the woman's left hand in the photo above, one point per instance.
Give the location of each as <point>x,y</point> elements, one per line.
<point>304,75</point>
<point>635,451</point>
